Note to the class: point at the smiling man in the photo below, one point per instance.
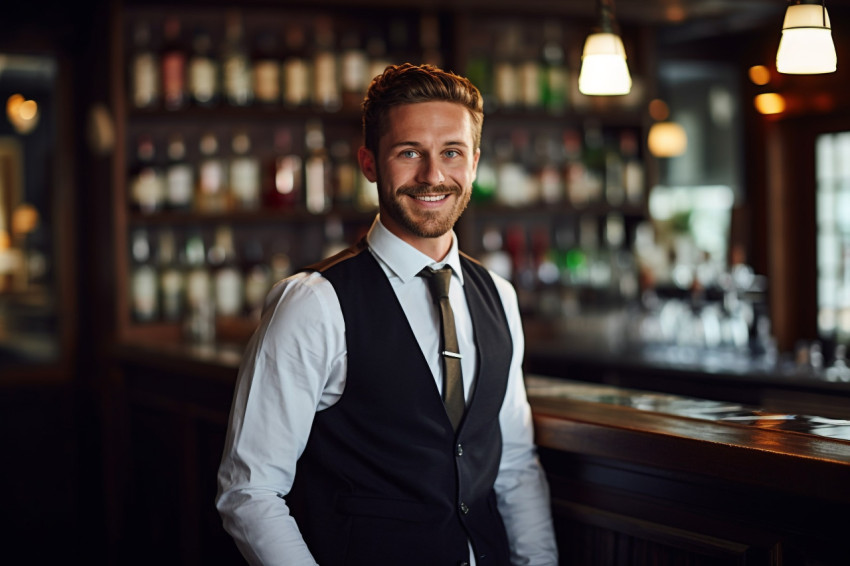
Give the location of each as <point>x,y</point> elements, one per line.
<point>378,417</point>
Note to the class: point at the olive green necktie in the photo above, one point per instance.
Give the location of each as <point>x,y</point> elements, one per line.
<point>438,282</point>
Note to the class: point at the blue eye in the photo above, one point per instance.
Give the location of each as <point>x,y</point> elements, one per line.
<point>409,153</point>
<point>452,153</point>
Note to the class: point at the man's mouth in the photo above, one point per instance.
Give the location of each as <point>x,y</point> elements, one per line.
<point>430,198</point>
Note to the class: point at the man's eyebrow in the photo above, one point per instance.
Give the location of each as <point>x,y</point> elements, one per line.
<point>411,143</point>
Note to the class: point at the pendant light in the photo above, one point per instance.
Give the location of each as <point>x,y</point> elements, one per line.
<point>806,46</point>
<point>604,70</point>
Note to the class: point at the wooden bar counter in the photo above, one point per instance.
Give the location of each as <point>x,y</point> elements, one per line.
<point>637,477</point>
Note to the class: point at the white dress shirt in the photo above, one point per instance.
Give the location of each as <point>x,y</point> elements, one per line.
<point>295,365</point>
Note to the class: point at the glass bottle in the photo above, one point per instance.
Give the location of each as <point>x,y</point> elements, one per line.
<point>327,94</point>
<point>615,189</point>
<point>634,178</point>
<point>429,40</point>
<point>506,79</point>
<point>143,279</point>
<point>244,174</point>
<point>144,69</point>
<point>296,69</point>
<point>575,173</point>
<point>173,60</point>
<point>203,71</point>
<point>236,66</point>
<point>266,70</point>
<point>172,282</point>
<point>147,186</point>
<point>285,177</point>
<point>228,285</point>
<point>211,195</point>
<point>345,172</point>
<point>318,183</point>
<point>257,275</point>
<point>376,51</point>
<point>179,176</point>
<point>354,66</point>
<point>200,305</point>
<point>554,73</point>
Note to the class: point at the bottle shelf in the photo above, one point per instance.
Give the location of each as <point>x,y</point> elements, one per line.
<point>246,217</point>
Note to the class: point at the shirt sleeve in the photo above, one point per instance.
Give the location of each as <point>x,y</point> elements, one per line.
<point>293,364</point>
<point>521,488</point>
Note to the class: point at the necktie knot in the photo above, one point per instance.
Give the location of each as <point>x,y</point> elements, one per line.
<point>438,281</point>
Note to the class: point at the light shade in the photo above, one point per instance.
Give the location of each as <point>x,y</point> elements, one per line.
<point>604,70</point>
<point>806,47</point>
<point>667,139</point>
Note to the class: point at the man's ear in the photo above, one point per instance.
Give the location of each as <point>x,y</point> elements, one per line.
<point>366,159</point>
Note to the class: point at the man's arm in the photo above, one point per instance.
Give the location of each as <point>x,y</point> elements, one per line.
<point>289,370</point>
<point>521,487</point>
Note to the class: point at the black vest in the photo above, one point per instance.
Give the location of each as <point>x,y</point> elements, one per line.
<point>383,478</point>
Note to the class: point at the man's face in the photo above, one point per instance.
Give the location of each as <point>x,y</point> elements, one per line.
<point>424,169</point>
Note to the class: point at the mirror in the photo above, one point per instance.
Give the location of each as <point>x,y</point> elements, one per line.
<point>28,321</point>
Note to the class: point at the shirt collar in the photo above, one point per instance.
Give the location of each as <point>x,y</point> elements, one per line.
<point>403,260</point>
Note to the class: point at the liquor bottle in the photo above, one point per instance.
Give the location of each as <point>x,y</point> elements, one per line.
<point>147,186</point>
<point>429,40</point>
<point>179,176</point>
<point>479,67</point>
<point>296,69</point>
<point>285,173</point>
<point>615,190</point>
<point>266,70</point>
<point>144,69</point>
<point>345,173</point>
<point>575,173</point>
<point>143,279</point>
<point>236,66</point>
<point>512,187</point>
<point>633,171</point>
<point>354,65</point>
<point>593,156</point>
<point>172,278</point>
<point>257,275</point>
<point>200,305</point>
<point>485,184</point>
<point>530,74</point>
<point>549,157</point>
<point>173,60</point>
<point>326,94</point>
<point>318,183</point>
<point>376,51</point>
<point>334,237</point>
<point>211,195</point>
<point>505,70</point>
<point>495,258</point>
<point>228,285</point>
<point>554,73</point>
<point>204,88</point>
<point>244,174</point>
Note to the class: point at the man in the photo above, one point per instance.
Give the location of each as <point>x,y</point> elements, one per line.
<point>341,449</point>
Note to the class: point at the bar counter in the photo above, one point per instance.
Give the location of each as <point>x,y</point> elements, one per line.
<point>637,476</point>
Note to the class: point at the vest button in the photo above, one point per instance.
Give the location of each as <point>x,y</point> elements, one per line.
<point>459,450</point>
<point>464,508</point>
<point>463,564</point>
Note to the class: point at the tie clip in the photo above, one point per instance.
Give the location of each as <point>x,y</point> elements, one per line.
<point>451,354</point>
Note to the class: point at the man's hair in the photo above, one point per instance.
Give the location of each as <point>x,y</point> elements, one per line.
<point>409,84</point>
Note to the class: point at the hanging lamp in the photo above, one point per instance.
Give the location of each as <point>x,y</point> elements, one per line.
<point>604,70</point>
<point>806,46</point>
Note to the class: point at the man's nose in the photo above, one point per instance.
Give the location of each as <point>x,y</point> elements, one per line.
<point>430,172</point>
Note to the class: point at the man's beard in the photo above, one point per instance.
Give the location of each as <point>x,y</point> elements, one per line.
<point>427,224</point>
